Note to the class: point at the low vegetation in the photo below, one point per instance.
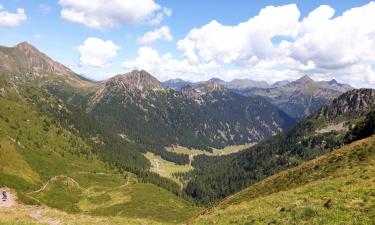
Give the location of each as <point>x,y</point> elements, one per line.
<point>337,188</point>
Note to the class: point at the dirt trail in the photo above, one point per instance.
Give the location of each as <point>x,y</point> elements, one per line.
<point>54,179</point>
<point>10,201</point>
<point>37,215</point>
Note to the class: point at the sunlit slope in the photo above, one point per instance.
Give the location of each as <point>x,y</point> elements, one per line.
<point>336,188</point>
<point>69,168</point>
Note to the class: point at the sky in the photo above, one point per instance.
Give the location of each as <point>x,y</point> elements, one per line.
<point>197,40</point>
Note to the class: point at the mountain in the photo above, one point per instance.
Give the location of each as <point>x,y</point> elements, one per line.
<point>331,189</point>
<point>302,97</point>
<point>177,84</point>
<point>206,116</point>
<point>216,177</point>
<point>242,84</point>
<point>280,83</point>
<point>58,156</point>
<point>236,84</point>
<point>24,63</point>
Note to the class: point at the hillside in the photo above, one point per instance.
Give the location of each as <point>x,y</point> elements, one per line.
<point>24,63</point>
<point>136,106</point>
<point>217,177</point>
<point>202,117</point>
<point>336,188</point>
<point>56,155</point>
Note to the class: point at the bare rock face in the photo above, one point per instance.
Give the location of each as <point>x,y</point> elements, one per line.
<point>361,100</point>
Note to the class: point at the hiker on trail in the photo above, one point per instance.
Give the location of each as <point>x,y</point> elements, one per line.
<point>4,196</point>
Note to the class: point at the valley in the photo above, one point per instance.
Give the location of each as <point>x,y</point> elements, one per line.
<point>133,150</point>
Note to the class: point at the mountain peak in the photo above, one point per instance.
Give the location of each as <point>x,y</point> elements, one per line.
<point>137,79</point>
<point>333,81</point>
<point>28,62</point>
<point>216,80</point>
<point>25,45</point>
<point>305,79</point>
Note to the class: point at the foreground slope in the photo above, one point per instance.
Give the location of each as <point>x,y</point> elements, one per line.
<point>217,177</point>
<point>55,155</point>
<point>336,188</point>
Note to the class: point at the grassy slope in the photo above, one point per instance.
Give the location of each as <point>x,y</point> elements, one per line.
<point>114,195</point>
<point>34,149</point>
<point>336,188</point>
<point>215,151</point>
<point>166,168</point>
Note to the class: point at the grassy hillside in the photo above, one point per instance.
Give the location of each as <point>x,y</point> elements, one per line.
<point>52,154</point>
<point>336,188</point>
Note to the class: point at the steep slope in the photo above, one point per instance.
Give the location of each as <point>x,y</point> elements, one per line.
<point>48,148</point>
<point>217,177</point>
<point>25,64</point>
<point>302,97</point>
<point>336,188</point>
<point>207,116</point>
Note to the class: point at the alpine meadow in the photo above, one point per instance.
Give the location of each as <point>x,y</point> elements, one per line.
<point>147,112</point>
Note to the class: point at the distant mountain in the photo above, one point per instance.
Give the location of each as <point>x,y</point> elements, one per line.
<point>177,84</point>
<point>24,63</point>
<point>242,84</point>
<point>302,97</point>
<point>280,83</point>
<point>236,84</point>
<point>136,105</point>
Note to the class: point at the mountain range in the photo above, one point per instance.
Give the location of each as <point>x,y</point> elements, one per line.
<point>298,98</point>
<point>82,147</point>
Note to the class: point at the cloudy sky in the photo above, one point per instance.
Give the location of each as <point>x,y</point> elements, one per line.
<point>197,40</point>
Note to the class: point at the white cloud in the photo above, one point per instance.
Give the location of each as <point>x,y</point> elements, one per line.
<point>97,52</point>
<point>276,44</point>
<point>164,66</point>
<point>150,37</point>
<point>99,14</point>
<point>246,41</point>
<point>166,12</point>
<point>8,19</point>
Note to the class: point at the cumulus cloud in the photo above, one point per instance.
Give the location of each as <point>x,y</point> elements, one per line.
<point>8,19</point>
<point>245,42</point>
<point>165,66</point>
<point>276,44</point>
<point>166,12</point>
<point>104,15</point>
<point>150,37</point>
<point>96,52</point>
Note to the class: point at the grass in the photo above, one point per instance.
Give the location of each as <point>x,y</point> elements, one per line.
<point>35,150</point>
<point>166,168</point>
<point>337,188</point>
<point>216,152</point>
<point>21,215</point>
<point>114,195</point>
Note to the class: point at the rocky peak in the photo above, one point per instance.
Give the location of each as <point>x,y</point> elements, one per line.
<point>26,47</point>
<point>356,99</point>
<point>304,80</point>
<point>189,91</point>
<point>210,86</point>
<point>136,80</point>
<point>29,59</point>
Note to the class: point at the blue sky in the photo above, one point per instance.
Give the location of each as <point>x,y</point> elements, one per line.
<point>59,37</point>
